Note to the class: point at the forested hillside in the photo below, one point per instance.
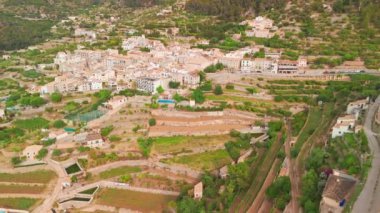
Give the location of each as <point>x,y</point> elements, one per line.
<point>232,9</point>
<point>367,10</point>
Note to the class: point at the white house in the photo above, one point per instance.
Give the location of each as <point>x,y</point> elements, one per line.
<point>2,113</point>
<point>198,190</point>
<point>83,32</point>
<point>340,129</point>
<point>116,102</point>
<point>94,140</point>
<point>148,84</point>
<point>357,106</point>
<point>30,152</point>
<point>58,134</point>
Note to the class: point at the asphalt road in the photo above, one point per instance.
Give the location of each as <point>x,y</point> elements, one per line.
<point>368,200</point>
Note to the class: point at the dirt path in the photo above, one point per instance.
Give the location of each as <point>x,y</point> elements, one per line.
<point>257,203</point>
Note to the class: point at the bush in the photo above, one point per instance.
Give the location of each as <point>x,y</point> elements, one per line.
<point>106,130</point>
<point>174,84</point>
<point>218,90</point>
<point>230,86</point>
<point>41,154</point>
<point>56,97</point>
<point>152,122</point>
<point>59,124</point>
<point>145,145</point>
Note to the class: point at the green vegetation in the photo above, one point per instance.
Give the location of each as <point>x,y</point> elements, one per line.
<point>298,122</point>
<point>279,192</point>
<point>105,131</point>
<point>18,33</point>
<point>174,84</point>
<point>21,189</point>
<point>218,90</point>
<point>145,145</point>
<point>8,135</point>
<point>313,122</point>
<point>39,176</point>
<point>205,161</point>
<point>152,122</point>
<point>42,154</point>
<point>124,170</point>
<point>183,144</point>
<point>32,123</point>
<point>214,68</point>
<point>198,96</point>
<point>18,203</point>
<point>73,169</point>
<point>89,191</point>
<point>59,124</point>
<point>56,97</point>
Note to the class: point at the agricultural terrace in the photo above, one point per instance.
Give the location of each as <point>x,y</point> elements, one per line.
<point>124,170</point>
<point>184,144</point>
<point>133,200</point>
<point>206,161</point>
<point>39,176</point>
<point>18,203</point>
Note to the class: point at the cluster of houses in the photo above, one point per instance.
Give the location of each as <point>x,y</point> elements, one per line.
<point>88,70</point>
<point>260,27</point>
<point>339,186</point>
<point>347,123</point>
<point>242,60</point>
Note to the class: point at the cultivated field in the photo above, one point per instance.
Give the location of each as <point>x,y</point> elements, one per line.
<point>181,144</point>
<point>203,161</point>
<point>137,201</point>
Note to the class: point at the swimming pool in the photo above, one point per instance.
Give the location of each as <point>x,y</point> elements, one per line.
<point>166,101</point>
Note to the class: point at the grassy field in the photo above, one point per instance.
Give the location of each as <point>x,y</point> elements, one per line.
<point>138,201</point>
<point>203,161</point>
<point>179,144</point>
<point>118,171</point>
<point>18,203</point>
<point>15,188</point>
<point>40,176</point>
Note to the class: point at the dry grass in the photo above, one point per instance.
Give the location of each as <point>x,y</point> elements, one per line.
<point>39,176</point>
<point>21,189</point>
<point>138,201</point>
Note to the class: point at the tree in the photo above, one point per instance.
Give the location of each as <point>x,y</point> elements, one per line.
<point>198,96</point>
<point>56,97</point>
<point>152,122</point>
<point>37,101</point>
<point>74,179</point>
<point>59,124</point>
<point>41,154</point>
<point>160,90</point>
<point>174,84</point>
<point>218,90</point>
<point>106,130</point>
<point>202,76</point>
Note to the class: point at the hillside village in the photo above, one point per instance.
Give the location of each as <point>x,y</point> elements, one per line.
<point>111,116</point>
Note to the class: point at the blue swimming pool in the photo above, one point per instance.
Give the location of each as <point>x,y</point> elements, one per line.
<point>166,101</point>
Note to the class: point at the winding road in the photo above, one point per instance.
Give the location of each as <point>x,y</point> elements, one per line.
<point>368,200</point>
